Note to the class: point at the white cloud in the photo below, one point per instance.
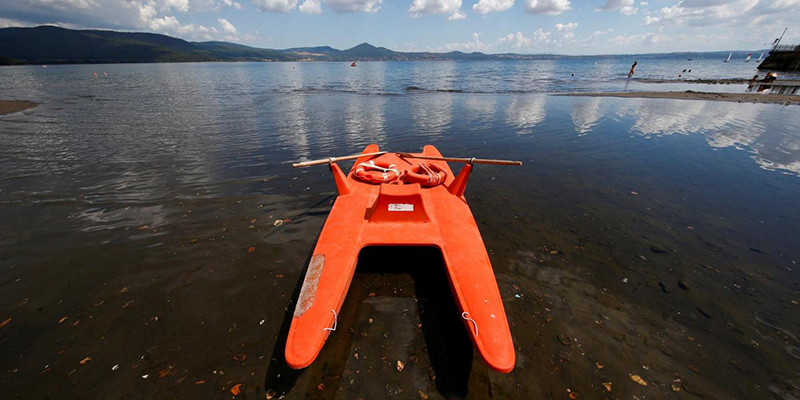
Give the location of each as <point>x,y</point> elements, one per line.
<point>487,6</point>
<point>207,30</point>
<point>60,4</point>
<point>541,39</point>
<point>597,34</point>
<point>567,28</point>
<point>344,6</point>
<point>167,24</point>
<point>704,3</point>
<point>452,7</point>
<point>516,40</point>
<point>541,36</point>
<point>615,4</point>
<point>177,5</point>
<point>231,3</point>
<point>549,7</point>
<point>640,39</point>
<point>458,15</point>
<point>315,6</point>
<point>733,13</point>
<point>159,16</point>
<point>468,47</point>
<point>625,7</point>
<point>566,31</point>
<point>10,23</point>
<point>652,38</point>
<point>227,27</point>
<point>283,6</point>
<point>644,3</point>
<point>311,7</point>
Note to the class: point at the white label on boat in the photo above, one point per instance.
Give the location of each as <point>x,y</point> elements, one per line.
<point>401,207</point>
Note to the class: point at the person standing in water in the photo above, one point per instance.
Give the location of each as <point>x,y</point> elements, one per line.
<point>633,69</point>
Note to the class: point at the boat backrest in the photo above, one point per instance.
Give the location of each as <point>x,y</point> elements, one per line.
<point>398,203</point>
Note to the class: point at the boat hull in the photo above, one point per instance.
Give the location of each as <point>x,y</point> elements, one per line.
<point>400,215</point>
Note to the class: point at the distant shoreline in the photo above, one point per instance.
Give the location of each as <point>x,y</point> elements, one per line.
<point>691,95</point>
<point>54,45</point>
<point>723,81</point>
<point>14,106</point>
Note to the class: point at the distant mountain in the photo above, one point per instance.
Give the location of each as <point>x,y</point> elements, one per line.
<point>366,50</point>
<point>54,45</point>
<point>313,50</point>
<point>236,52</point>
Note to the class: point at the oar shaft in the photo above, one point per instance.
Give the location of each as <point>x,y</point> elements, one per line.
<point>335,159</point>
<point>462,159</point>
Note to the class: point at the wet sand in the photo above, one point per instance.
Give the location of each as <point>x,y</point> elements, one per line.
<point>692,95</point>
<point>12,106</point>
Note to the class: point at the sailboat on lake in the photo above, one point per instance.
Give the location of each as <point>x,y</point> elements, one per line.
<point>749,56</point>
<point>729,57</point>
<point>760,57</point>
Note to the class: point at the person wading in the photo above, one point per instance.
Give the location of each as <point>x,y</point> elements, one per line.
<point>633,69</point>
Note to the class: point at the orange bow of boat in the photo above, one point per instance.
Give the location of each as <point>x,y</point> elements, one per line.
<point>400,213</point>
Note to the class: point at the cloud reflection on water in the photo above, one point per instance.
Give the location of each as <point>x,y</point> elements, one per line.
<point>525,112</point>
<point>747,127</point>
<point>432,113</point>
<point>585,114</point>
<point>365,120</point>
<point>480,110</point>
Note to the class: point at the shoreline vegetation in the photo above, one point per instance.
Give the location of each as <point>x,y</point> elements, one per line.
<point>55,45</point>
<point>14,106</point>
<point>692,95</point>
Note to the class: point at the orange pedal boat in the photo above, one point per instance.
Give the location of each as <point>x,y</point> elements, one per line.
<point>400,213</point>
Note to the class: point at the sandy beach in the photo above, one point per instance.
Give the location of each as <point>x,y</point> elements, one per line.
<point>692,95</point>
<point>12,106</point>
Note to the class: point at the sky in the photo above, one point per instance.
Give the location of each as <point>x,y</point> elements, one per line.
<point>491,26</point>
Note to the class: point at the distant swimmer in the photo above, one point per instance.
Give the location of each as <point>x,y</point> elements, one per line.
<point>94,73</point>
<point>684,70</point>
<point>353,64</point>
<point>105,73</point>
<point>633,69</point>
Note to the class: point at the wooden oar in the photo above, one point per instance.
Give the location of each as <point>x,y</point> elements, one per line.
<point>335,159</point>
<point>462,159</point>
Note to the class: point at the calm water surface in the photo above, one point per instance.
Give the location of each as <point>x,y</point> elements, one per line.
<point>649,238</point>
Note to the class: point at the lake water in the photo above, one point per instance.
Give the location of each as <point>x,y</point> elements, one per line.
<point>641,237</point>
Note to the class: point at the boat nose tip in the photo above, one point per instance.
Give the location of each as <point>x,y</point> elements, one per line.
<point>298,360</point>
<point>504,364</point>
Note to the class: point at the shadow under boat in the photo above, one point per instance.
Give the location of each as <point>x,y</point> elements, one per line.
<point>394,276</point>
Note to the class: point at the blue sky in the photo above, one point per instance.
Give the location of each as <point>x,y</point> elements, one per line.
<point>520,26</point>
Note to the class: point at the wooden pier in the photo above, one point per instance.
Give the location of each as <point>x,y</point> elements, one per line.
<point>782,58</point>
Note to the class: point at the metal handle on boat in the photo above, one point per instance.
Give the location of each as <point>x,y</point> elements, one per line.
<point>335,159</point>
<point>469,160</point>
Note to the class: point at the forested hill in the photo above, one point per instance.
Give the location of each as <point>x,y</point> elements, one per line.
<point>54,45</point>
